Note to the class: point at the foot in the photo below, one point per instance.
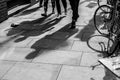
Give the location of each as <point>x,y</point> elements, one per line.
<point>44,14</point>
<point>58,16</point>
<point>72,25</point>
<point>14,25</point>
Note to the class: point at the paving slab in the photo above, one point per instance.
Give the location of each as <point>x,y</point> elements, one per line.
<point>80,73</point>
<point>91,59</point>
<point>31,71</point>
<point>5,66</point>
<point>59,57</point>
<point>83,46</point>
<point>15,54</point>
<point>55,44</point>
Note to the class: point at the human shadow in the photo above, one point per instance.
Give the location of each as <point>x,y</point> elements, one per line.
<point>35,32</point>
<point>49,42</point>
<point>28,11</point>
<point>16,12</point>
<point>27,26</point>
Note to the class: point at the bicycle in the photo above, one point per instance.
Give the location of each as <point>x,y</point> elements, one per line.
<point>110,27</point>
<point>105,20</point>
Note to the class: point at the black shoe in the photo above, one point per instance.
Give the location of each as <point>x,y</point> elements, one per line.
<point>72,25</point>
<point>44,14</point>
<point>14,25</point>
<point>58,16</point>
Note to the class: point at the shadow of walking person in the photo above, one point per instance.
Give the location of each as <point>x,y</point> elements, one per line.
<point>27,26</point>
<point>50,42</point>
<point>45,27</point>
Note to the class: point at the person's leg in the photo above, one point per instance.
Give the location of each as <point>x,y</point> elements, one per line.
<point>74,7</point>
<point>45,7</point>
<point>40,4</point>
<point>53,6</point>
<point>64,2</point>
<point>58,7</point>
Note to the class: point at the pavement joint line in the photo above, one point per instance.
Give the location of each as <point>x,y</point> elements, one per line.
<point>55,63</point>
<point>81,58</point>
<point>84,66</point>
<point>8,70</point>
<point>16,61</point>
<point>59,72</point>
<point>72,45</point>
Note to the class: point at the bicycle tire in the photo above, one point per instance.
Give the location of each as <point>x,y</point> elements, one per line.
<point>112,49</point>
<point>99,16</point>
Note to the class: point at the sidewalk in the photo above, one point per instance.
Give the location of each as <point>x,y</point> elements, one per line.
<point>44,49</point>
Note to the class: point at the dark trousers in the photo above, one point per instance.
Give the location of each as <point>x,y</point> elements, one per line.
<point>64,2</point>
<point>59,7</point>
<point>46,5</point>
<point>53,4</point>
<point>41,2</point>
<point>74,6</point>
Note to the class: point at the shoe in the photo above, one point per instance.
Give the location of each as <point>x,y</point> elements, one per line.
<point>14,25</point>
<point>44,14</point>
<point>72,25</point>
<point>58,16</point>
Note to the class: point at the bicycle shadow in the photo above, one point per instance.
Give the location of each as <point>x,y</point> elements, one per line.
<point>49,43</point>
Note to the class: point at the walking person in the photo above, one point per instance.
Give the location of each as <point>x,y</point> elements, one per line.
<point>45,8</point>
<point>41,3</point>
<point>53,6</point>
<point>64,2</point>
<point>59,6</point>
<point>74,6</point>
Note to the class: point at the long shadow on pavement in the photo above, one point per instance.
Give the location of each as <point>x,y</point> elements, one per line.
<point>50,43</point>
<point>26,12</point>
<point>45,27</point>
<point>27,26</point>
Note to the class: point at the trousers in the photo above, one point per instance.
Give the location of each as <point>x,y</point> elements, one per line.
<point>74,6</point>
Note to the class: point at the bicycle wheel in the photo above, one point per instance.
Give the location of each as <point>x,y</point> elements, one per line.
<point>102,2</point>
<point>102,19</point>
<point>112,49</point>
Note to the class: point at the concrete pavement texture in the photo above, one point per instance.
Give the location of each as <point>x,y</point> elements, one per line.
<point>43,48</point>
